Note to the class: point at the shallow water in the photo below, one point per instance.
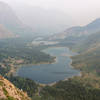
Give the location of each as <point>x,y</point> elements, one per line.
<point>49,73</point>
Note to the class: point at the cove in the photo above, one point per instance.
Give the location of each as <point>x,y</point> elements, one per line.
<point>49,73</point>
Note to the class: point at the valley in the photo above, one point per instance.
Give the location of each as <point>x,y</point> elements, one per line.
<point>53,72</point>
<point>88,82</point>
<point>39,66</point>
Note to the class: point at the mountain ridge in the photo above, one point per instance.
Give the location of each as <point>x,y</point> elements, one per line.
<point>79,31</point>
<point>10,21</point>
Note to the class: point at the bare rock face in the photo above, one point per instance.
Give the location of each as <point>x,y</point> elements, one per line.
<point>2,95</point>
<point>9,91</point>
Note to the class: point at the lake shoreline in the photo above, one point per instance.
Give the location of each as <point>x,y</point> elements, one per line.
<point>55,61</point>
<point>17,67</point>
<point>53,83</point>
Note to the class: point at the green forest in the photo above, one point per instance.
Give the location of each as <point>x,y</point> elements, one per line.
<point>84,87</point>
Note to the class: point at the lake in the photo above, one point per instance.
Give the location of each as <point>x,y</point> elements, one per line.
<point>49,73</point>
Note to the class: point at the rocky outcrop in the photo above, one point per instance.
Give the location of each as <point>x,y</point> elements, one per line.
<point>9,92</point>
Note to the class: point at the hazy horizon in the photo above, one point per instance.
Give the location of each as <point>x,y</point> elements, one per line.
<point>82,11</point>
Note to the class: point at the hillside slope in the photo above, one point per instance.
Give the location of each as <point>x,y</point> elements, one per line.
<point>88,60</point>
<point>90,43</point>
<point>10,21</point>
<point>79,31</point>
<point>9,92</point>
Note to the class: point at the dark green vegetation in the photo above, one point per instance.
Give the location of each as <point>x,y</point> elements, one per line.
<point>85,87</point>
<point>19,49</point>
<point>16,52</point>
<point>25,84</point>
<point>70,90</point>
<point>64,90</point>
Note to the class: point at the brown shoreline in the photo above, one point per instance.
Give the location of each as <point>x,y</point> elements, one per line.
<point>14,69</point>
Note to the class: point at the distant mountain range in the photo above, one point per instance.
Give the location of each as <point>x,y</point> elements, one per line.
<point>79,31</point>
<point>12,23</point>
<point>44,21</point>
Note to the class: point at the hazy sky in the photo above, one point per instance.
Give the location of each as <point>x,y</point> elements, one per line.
<point>83,11</point>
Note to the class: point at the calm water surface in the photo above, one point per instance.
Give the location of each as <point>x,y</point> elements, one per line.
<point>49,73</point>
